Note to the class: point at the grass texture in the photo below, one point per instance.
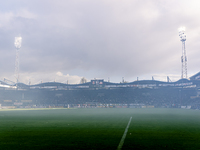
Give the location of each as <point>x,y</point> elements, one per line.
<point>99,128</point>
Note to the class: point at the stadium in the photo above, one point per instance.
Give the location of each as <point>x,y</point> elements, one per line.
<point>183,93</point>
<point>142,114</point>
<point>71,41</point>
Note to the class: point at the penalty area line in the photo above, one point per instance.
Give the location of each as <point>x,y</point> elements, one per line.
<point>124,136</point>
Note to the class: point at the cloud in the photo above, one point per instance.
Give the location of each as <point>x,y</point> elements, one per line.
<point>38,77</point>
<point>59,73</point>
<point>98,39</point>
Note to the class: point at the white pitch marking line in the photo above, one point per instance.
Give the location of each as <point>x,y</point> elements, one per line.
<point>124,136</point>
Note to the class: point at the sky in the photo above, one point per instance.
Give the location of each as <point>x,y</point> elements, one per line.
<point>67,40</point>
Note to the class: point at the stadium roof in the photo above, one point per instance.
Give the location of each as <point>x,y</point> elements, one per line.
<point>195,77</point>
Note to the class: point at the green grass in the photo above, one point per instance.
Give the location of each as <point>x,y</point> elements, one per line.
<point>99,129</point>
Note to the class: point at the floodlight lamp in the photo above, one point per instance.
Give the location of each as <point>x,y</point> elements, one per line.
<point>182,36</point>
<point>181,29</point>
<point>18,41</point>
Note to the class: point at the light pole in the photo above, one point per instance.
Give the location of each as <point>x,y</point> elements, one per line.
<point>183,57</point>
<point>18,41</point>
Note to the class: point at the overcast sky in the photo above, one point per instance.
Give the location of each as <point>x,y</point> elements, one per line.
<point>69,39</point>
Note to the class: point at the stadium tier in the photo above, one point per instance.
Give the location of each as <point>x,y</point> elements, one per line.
<point>98,93</point>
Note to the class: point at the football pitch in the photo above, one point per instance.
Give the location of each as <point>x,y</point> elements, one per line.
<point>100,128</point>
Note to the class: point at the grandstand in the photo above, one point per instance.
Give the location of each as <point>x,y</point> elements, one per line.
<point>144,93</point>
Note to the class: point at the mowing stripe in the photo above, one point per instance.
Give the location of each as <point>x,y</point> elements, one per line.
<point>124,136</point>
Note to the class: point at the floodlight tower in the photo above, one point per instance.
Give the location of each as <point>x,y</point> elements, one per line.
<point>183,57</point>
<point>18,41</point>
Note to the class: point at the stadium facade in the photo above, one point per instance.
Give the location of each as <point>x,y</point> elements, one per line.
<point>99,93</point>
